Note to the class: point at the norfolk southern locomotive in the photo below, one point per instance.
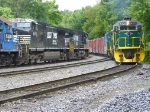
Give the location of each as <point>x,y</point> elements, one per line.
<point>34,41</point>
<point>9,49</point>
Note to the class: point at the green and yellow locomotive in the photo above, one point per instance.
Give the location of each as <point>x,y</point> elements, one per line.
<point>126,42</point>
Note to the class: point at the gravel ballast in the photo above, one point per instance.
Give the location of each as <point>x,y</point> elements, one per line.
<point>137,101</point>
<point>21,80</point>
<point>121,93</point>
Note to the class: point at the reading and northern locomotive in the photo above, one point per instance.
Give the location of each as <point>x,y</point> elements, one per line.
<point>37,41</point>
<point>124,42</point>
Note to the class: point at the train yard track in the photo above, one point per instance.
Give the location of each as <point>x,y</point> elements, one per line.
<point>51,68</point>
<point>42,88</point>
<point>41,63</point>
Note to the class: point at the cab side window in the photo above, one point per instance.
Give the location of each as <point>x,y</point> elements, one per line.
<point>34,26</point>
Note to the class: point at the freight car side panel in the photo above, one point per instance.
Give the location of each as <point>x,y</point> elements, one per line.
<point>97,45</point>
<point>90,46</point>
<point>101,45</point>
<point>105,45</point>
<point>92,42</point>
<point>94,46</point>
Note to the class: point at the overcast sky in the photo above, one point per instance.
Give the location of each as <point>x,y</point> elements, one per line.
<point>74,4</point>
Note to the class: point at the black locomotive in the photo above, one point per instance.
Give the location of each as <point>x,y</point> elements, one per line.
<point>39,41</point>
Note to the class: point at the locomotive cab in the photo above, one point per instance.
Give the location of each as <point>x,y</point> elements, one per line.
<point>6,37</point>
<point>8,46</point>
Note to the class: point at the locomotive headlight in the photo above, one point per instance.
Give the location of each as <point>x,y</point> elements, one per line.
<point>8,36</point>
<point>128,23</point>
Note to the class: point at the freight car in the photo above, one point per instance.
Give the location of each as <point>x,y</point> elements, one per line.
<point>42,42</point>
<point>9,49</point>
<point>124,42</point>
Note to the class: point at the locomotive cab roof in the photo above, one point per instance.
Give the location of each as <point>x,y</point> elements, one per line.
<point>17,20</point>
<point>123,23</point>
<point>127,22</point>
<point>5,21</point>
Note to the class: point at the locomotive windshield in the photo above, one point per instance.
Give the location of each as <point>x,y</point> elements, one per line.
<point>23,25</point>
<point>127,27</point>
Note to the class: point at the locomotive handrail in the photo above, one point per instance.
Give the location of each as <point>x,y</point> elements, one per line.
<point>25,42</point>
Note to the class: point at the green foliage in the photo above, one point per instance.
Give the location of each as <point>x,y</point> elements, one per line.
<point>102,16</point>
<point>95,20</point>
<point>89,25</point>
<point>34,9</point>
<point>77,19</point>
<point>66,14</point>
<point>6,12</point>
<point>73,20</point>
<point>140,10</point>
<point>51,13</point>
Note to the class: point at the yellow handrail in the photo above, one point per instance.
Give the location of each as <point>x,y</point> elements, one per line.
<point>25,42</point>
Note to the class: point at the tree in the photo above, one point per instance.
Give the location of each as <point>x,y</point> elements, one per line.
<point>34,9</point>
<point>51,13</point>
<point>140,10</point>
<point>77,19</point>
<point>90,14</point>
<point>66,14</point>
<point>6,12</point>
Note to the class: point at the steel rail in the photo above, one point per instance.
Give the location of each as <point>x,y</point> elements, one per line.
<point>42,88</point>
<point>51,68</point>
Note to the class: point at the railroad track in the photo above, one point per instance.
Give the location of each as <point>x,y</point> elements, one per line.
<point>51,68</point>
<point>42,88</point>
